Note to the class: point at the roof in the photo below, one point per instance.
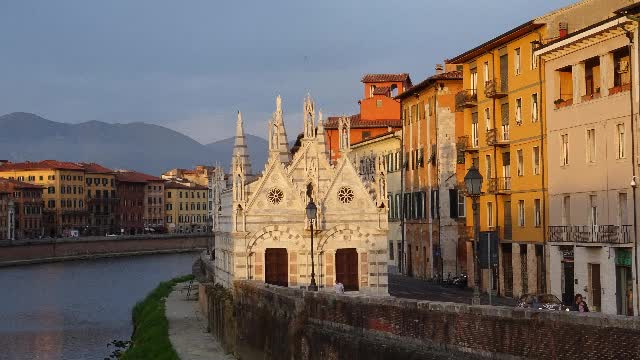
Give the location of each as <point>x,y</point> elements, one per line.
<point>177,185</point>
<point>495,42</point>
<point>135,177</point>
<point>381,90</point>
<point>357,123</point>
<point>6,183</point>
<point>95,168</point>
<point>369,78</point>
<point>388,134</point>
<point>40,165</point>
<point>450,75</point>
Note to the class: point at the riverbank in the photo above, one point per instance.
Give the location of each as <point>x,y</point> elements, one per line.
<point>150,339</point>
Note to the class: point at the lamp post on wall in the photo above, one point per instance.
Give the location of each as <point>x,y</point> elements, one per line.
<point>312,210</point>
<point>473,183</point>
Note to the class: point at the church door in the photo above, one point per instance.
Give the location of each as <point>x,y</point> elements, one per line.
<point>347,268</point>
<point>276,267</point>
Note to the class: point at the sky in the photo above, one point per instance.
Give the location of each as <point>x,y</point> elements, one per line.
<point>190,65</point>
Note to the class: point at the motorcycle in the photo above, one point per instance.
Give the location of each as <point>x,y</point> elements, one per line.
<point>461,280</point>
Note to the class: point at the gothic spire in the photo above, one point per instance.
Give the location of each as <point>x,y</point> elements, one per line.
<point>309,118</point>
<point>240,162</point>
<point>278,143</point>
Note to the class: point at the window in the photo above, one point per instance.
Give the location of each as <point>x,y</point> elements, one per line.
<point>591,145</point>
<point>371,89</point>
<point>521,213</point>
<point>51,190</point>
<point>519,111</point>
<point>487,118</point>
<point>398,206</point>
<point>485,66</point>
<point>487,159</point>
<point>41,178</point>
<point>474,80</point>
<point>593,204</point>
<point>462,209</point>
<point>32,178</point>
<point>565,149</point>
<point>391,252</point>
<point>20,178</point>
<point>378,103</point>
<point>536,160</point>
<point>534,107</point>
<point>366,135</point>
<point>474,129</point>
<point>534,58</point>
<point>435,204</point>
<point>520,163</point>
<point>622,209</point>
<point>566,210</point>
<point>516,61</point>
<point>536,213</point>
<point>620,140</point>
<point>490,214</point>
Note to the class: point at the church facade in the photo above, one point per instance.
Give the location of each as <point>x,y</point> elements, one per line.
<point>262,231</point>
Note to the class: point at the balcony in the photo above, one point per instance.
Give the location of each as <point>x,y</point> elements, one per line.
<point>597,234</point>
<point>494,89</point>
<point>465,144</point>
<point>466,99</point>
<point>498,138</point>
<point>500,185</point>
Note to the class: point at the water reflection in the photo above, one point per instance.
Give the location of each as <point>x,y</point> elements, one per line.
<point>72,310</point>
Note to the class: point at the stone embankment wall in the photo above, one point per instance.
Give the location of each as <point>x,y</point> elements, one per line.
<point>49,250</point>
<point>257,321</point>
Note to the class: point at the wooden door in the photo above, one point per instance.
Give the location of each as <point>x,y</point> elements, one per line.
<point>347,268</point>
<point>596,287</point>
<point>276,270</point>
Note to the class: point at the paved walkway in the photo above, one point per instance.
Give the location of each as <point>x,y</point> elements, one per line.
<point>412,288</point>
<point>188,329</point>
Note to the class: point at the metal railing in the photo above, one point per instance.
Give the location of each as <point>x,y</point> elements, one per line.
<point>499,185</point>
<point>466,98</point>
<point>495,89</point>
<point>607,234</point>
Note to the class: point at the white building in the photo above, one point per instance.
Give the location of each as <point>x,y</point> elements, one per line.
<point>263,232</point>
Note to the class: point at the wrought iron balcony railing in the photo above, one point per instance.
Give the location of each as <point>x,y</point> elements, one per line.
<point>500,185</point>
<point>495,89</point>
<point>498,138</point>
<point>606,234</point>
<point>466,98</point>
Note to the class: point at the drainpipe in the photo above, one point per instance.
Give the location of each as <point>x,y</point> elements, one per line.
<point>402,206</point>
<point>495,170</point>
<point>543,202</point>
<point>435,120</point>
<point>630,35</point>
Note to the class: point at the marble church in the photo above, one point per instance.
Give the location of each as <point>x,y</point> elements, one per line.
<point>262,231</point>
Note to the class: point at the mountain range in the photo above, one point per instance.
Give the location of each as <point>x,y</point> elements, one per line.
<point>136,146</point>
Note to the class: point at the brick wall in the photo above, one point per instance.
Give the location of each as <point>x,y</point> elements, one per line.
<point>267,322</point>
<point>97,246</point>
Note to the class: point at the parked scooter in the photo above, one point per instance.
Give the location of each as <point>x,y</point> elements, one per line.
<point>461,280</point>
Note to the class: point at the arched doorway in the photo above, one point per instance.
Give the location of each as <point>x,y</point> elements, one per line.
<point>276,267</point>
<point>347,268</point>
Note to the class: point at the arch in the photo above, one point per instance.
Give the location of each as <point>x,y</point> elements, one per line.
<point>352,233</point>
<point>280,232</point>
<point>394,90</point>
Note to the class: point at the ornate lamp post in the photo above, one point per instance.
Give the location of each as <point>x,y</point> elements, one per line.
<point>473,183</point>
<point>312,211</point>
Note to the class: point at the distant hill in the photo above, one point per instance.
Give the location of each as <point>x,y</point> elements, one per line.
<point>139,146</point>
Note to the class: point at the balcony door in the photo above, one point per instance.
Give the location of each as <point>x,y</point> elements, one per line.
<point>506,170</point>
<point>504,72</point>
<point>596,287</point>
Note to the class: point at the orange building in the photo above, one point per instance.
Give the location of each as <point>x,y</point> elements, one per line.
<point>379,111</point>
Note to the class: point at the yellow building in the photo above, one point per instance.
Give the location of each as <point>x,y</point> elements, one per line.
<point>504,138</point>
<point>202,175</point>
<point>102,199</point>
<point>186,207</point>
<point>65,212</point>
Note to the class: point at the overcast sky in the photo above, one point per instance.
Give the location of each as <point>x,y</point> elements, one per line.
<point>189,65</point>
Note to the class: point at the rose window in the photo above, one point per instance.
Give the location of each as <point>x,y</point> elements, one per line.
<point>345,194</point>
<point>275,196</point>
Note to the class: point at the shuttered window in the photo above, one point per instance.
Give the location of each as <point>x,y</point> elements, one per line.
<point>505,113</point>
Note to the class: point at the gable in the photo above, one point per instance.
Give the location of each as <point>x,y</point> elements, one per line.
<point>275,192</point>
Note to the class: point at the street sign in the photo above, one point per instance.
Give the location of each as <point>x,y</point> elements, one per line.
<point>488,254</point>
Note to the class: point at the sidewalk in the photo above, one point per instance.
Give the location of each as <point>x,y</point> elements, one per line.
<point>188,329</point>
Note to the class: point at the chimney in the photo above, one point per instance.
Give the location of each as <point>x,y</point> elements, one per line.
<point>564,29</point>
<point>439,69</point>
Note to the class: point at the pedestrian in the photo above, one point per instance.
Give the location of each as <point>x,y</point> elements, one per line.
<point>339,287</point>
<point>579,305</point>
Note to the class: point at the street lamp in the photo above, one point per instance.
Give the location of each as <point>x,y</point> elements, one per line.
<point>312,211</point>
<point>473,183</point>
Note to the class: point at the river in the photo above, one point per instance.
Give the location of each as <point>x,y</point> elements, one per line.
<point>72,310</point>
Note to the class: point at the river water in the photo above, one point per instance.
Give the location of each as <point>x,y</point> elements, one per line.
<point>72,310</point>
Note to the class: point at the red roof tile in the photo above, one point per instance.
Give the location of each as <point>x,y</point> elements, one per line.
<point>40,165</point>
<point>450,75</point>
<point>177,185</point>
<point>95,168</point>
<point>368,78</point>
<point>381,90</point>
<point>357,123</point>
<point>135,177</point>
<point>8,183</point>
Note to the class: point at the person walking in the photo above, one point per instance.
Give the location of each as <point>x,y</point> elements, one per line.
<point>339,288</point>
<point>579,305</point>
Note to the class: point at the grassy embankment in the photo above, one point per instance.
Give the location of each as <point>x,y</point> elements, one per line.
<point>150,339</point>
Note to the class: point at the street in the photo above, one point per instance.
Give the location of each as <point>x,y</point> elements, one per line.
<point>412,288</point>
